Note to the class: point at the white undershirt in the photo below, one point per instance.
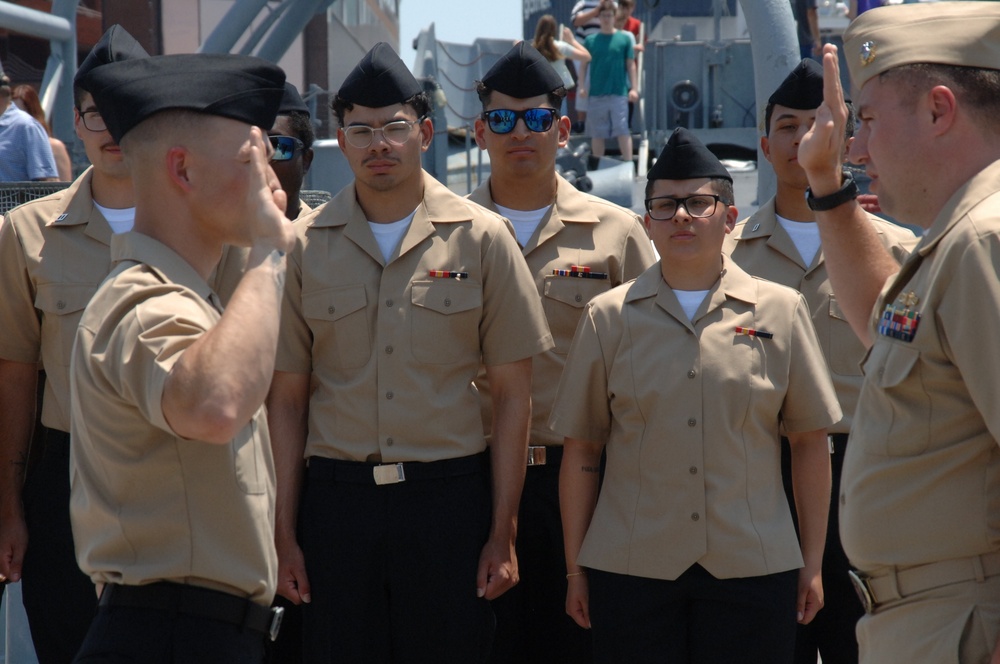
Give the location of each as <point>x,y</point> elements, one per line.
<point>805,237</point>
<point>390,235</point>
<point>690,300</point>
<point>524,221</point>
<point>121,220</point>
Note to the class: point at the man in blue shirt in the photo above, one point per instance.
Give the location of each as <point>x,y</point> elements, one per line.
<point>25,153</point>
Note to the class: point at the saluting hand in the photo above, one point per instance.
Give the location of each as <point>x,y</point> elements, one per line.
<point>821,151</point>
<point>266,201</point>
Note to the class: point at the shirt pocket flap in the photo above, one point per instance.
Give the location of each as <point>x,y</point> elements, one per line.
<point>332,304</point>
<point>447,296</point>
<point>835,311</point>
<point>62,299</point>
<point>890,363</point>
<point>575,292</point>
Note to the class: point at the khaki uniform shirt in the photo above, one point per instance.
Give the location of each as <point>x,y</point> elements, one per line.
<point>54,253</point>
<point>690,413</point>
<point>579,229</point>
<point>393,351</point>
<point>53,256</point>
<point>763,248</point>
<point>147,505</point>
<point>921,478</point>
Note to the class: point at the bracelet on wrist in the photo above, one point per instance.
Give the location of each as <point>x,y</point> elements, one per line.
<point>580,573</point>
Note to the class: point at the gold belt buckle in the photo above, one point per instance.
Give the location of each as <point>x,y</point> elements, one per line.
<point>536,455</point>
<point>391,473</point>
<point>863,588</point>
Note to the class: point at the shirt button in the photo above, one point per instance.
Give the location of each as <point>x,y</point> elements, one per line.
<point>388,303</point>
<point>388,395</point>
<point>693,470</point>
<point>330,310</point>
<point>388,350</point>
<point>881,371</point>
<point>388,441</point>
<point>695,516</point>
<point>809,277</point>
<point>60,305</point>
<point>843,499</point>
<point>579,298</point>
<point>692,373</point>
<point>692,422</point>
<point>447,302</point>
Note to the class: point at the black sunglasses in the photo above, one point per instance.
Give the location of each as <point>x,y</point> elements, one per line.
<point>503,120</point>
<point>285,147</point>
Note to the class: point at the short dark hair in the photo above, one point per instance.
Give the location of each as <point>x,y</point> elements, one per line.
<point>976,87</point>
<point>852,119</point>
<point>302,127</point>
<point>420,103</point>
<point>722,187</point>
<point>555,98</point>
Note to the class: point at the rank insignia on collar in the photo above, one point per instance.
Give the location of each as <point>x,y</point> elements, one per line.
<point>868,51</point>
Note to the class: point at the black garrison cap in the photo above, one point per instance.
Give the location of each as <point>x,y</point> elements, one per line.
<point>380,79</point>
<point>238,87</point>
<point>802,89</point>
<point>684,157</point>
<point>115,45</point>
<point>291,102</point>
<point>522,72</point>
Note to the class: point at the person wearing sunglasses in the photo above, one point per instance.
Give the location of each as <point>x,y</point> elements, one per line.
<point>291,138</point>
<point>54,251</point>
<point>687,377</point>
<point>559,229</point>
<point>398,292</point>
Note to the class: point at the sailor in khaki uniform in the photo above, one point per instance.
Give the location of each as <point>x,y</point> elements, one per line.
<point>292,137</point>
<point>781,243</point>
<point>53,254</point>
<point>576,246</point>
<point>686,377</point>
<point>172,498</point>
<point>398,292</point>
<point>920,494</point>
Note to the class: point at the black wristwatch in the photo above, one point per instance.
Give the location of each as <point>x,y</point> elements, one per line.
<point>848,192</point>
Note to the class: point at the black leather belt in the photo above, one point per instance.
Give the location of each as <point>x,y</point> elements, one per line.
<point>196,602</point>
<point>362,472</point>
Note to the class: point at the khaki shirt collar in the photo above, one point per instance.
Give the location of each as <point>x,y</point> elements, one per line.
<point>570,206</point>
<point>162,261</point>
<point>977,189</point>
<point>733,283</point>
<point>438,206</point>
<point>764,223</point>
<point>77,207</point>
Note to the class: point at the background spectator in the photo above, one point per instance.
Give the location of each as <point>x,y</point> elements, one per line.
<point>557,51</point>
<point>26,99</point>
<point>25,153</point>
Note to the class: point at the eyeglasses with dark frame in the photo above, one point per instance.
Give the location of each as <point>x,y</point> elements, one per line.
<point>503,120</point>
<point>397,133</point>
<point>664,208</point>
<point>285,147</point>
<point>93,121</point>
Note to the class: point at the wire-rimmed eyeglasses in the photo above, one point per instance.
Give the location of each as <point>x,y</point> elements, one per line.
<point>396,132</point>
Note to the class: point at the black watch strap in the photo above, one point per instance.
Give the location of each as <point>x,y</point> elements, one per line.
<point>848,192</point>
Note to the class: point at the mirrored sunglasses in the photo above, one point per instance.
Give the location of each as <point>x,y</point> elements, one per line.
<point>285,147</point>
<point>503,120</point>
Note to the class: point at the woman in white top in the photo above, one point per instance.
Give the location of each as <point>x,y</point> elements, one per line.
<point>557,51</point>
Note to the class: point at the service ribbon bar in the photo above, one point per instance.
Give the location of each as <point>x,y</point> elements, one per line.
<point>750,332</point>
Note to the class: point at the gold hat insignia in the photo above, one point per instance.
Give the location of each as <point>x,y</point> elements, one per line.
<point>868,50</point>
